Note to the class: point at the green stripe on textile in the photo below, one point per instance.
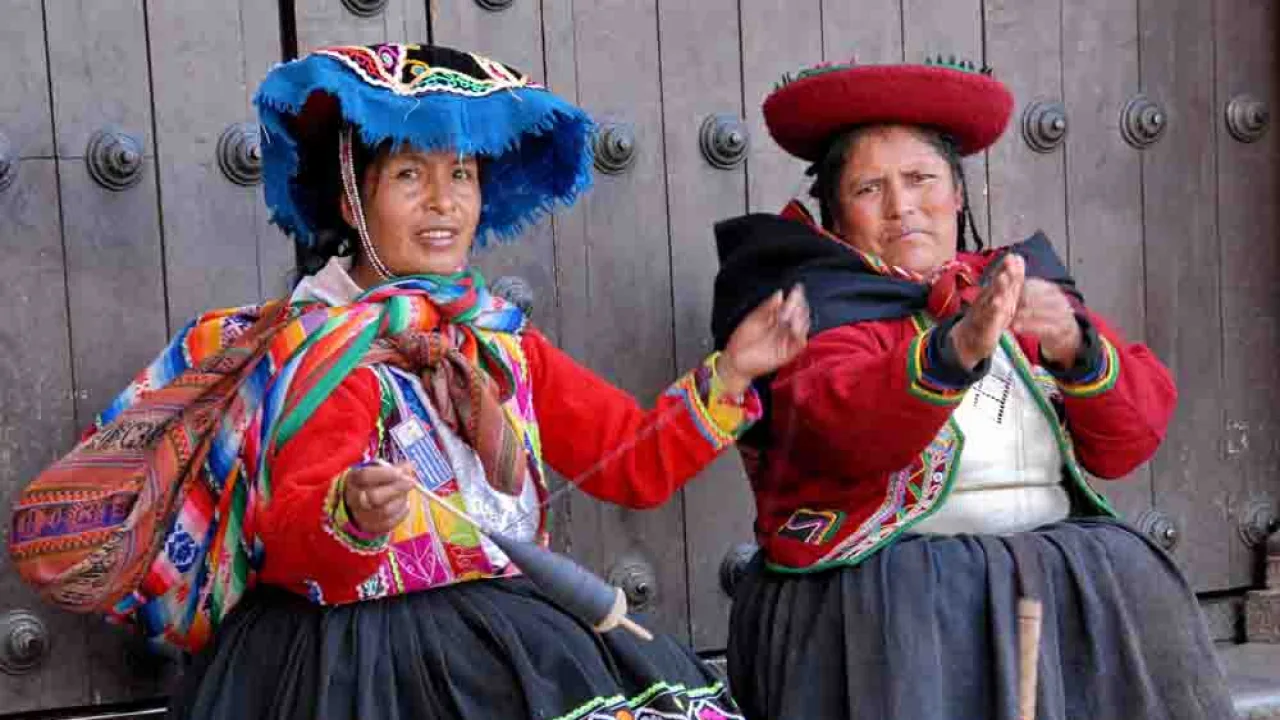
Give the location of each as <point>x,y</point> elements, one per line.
<point>325,386</point>
<point>396,311</point>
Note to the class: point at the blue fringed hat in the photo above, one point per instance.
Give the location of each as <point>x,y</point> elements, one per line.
<point>536,146</point>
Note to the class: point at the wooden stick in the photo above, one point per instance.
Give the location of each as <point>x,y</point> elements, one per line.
<point>1030,614</point>
<point>634,628</point>
<point>431,495</point>
<point>456,512</point>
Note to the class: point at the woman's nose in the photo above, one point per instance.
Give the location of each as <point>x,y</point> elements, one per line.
<point>897,200</point>
<point>440,195</point>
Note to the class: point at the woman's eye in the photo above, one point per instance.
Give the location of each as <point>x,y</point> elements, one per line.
<point>462,173</point>
<point>864,190</point>
<point>408,173</point>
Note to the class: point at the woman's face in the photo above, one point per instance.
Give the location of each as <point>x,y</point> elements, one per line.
<point>898,199</point>
<point>422,210</point>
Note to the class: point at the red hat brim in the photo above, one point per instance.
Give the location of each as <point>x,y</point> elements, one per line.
<point>970,107</point>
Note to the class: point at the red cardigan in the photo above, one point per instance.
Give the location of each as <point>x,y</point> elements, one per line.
<point>862,447</point>
<point>592,433</point>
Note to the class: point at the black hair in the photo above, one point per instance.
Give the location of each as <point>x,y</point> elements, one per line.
<point>828,170</point>
<point>318,187</point>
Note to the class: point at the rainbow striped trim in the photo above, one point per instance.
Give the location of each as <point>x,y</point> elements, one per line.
<point>1101,380</point>
<point>720,417</point>
<point>920,383</point>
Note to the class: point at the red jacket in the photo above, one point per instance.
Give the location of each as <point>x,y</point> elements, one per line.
<point>862,447</point>
<point>591,433</point>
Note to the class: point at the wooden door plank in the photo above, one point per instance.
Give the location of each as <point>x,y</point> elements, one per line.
<point>1183,314</point>
<point>777,38</point>
<point>97,59</point>
<point>37,412</point>
<point>1027,188</point>
<point>866,31</point>
<point>1104,181</point>
<point>260,42</point>
<point>1248,187</point>
<point>328,22</point>
<point>572,271</point>
<point>24,86</point>
<point>951,27</point>
<point>98,65</point>
<point>93,86</point>
<point>513,36</point>
<point>625,306</point>
<point>701,77</point>
<point>213,228</point>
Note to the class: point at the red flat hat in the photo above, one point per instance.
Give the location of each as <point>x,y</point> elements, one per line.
<point>805,113</point>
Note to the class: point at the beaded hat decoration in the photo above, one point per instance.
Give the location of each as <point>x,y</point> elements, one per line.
<point>536,147</point>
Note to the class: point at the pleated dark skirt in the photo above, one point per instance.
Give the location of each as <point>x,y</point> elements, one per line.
<point>478,650</point>
<point>927,628</point>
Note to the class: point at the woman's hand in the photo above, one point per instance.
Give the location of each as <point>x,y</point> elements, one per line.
<point>1045,313</point>
<point>377,497</point>
<point>771,336</point>
<point>976,335</point>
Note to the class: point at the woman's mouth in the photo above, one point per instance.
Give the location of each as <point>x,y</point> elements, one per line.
<point>437,239</point>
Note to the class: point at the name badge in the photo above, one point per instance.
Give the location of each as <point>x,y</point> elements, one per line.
<point>421,449</point>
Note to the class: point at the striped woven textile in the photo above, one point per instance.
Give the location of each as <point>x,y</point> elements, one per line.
<point>150,519</point>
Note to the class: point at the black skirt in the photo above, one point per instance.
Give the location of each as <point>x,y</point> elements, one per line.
<point>927,628</point>
<point>477,650</point>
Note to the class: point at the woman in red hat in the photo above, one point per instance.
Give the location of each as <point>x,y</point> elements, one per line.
<point>931,545</point>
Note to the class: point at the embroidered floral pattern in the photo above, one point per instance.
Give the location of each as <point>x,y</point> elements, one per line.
<point>662,701</point>
<point>181,549</point>
<point>400,69</point>
<point>913,493</point>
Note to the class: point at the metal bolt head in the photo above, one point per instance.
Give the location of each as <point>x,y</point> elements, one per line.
<point>734,565</point>
<point>114,159</point>
<point>127,159</point>
<point>638,581</point>
<point>1044,125</point>
<point>1247,118</point>
<point>365,8</point>
<point>1142,121</point>
<point>25,644</point>
<point>239,154</point>
<point>723,139</point>
<point>614,148</point>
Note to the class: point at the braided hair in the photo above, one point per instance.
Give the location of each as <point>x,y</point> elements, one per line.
<point>828,170</point>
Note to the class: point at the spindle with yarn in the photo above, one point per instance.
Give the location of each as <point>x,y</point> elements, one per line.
<point>573,587</point>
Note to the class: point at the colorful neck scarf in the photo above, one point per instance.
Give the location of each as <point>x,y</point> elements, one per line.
<point>435,326</point>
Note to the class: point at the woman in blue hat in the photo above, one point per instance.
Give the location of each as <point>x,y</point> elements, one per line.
<point>302,564</point>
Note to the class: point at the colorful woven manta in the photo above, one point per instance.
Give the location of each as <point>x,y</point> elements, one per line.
<point>150,520</point>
